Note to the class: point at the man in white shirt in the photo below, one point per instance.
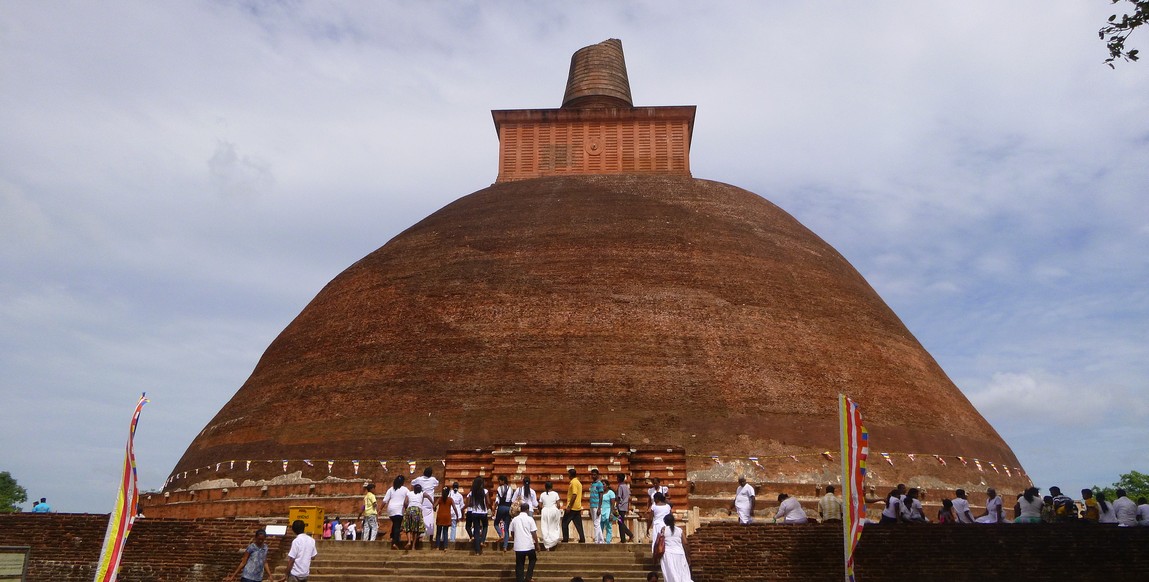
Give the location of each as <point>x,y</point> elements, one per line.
<point>1124,510</point>
<point>789,510</point>
<point>300,555</point>
<point>961,507</point>
<point>1142,511</point>
<point>744,501</point>
<point>524,532</point>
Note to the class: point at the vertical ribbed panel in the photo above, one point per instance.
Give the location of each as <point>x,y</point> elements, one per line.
<point>565,148</point>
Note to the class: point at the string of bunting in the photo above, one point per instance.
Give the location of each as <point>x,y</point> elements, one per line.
<point>886,456</point>
<point>286,463</point>
<point>716,459</point>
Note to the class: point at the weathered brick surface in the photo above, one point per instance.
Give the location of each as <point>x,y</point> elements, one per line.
<point>731,553</point>
<point>728,328</point>
<point>66,547</point>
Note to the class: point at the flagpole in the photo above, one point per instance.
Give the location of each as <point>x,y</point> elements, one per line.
<point>124,512</point>
<point>843,440</point>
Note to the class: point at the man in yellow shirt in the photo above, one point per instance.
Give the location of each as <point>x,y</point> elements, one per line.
<point>573,511</point>
<point>370,514</point>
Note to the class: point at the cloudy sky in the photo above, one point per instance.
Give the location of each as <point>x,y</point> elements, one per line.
<point>178,179</point>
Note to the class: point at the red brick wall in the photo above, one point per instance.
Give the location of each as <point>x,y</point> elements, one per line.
<point>730,553</point>
<point>66,547</point>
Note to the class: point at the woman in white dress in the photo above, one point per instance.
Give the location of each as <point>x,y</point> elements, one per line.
<point>552,517</point>
<point>658,513</point>
<point>675,565</point>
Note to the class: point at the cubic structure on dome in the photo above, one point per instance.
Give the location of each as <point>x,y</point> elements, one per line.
<point>596,307</point>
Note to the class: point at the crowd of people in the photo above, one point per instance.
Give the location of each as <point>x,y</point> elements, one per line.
<point>417,513</point>
<point>904,505</point>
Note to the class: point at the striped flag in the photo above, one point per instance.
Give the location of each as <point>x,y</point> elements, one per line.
<point>124,513</point>
<point>855,448</point>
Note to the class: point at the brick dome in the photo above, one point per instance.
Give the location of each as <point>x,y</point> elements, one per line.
<point>643,309</point>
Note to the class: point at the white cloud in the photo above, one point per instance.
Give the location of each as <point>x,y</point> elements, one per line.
<point>1037,397</point>
<point>235,175</point>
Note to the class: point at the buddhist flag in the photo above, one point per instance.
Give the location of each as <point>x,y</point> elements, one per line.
<point>124,512</point>
<point>855,448</point>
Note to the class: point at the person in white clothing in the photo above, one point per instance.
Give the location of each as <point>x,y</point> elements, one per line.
<point>552,517</point>
<point>396,500</point>
<point>961,507</point>
<point>1106,513</point>
<point>657,487</point>
<point>912,508</point>
<point>993,511</point>
<point>744,501</point>
<point>1029,506</point>
<point>1142,511</point>
<point>525,496</point>
<point>676,553</point>
<point>658,513</point>
<point>789,510</point>
<point>300,555</point>
<point>429,483</point>
<point>457,509</point>
<point>1124,510</point>
<point>893,511</point>
<point>525,535</point>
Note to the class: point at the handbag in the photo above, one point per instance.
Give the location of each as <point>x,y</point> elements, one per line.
<point>659,546</point>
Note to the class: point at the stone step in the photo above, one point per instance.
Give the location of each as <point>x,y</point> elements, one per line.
<point>507,576</point>
<point>384,548</point>
<point>348,565</point>
<point>377,562</point>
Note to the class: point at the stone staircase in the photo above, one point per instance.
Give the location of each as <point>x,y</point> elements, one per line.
<point>376,562</point>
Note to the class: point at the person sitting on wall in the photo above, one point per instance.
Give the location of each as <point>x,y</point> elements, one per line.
<point>893,511</point>
<point>1064,508</point>
<point>912,508</point>
<point>789,510</point>
<point>993,508</point>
